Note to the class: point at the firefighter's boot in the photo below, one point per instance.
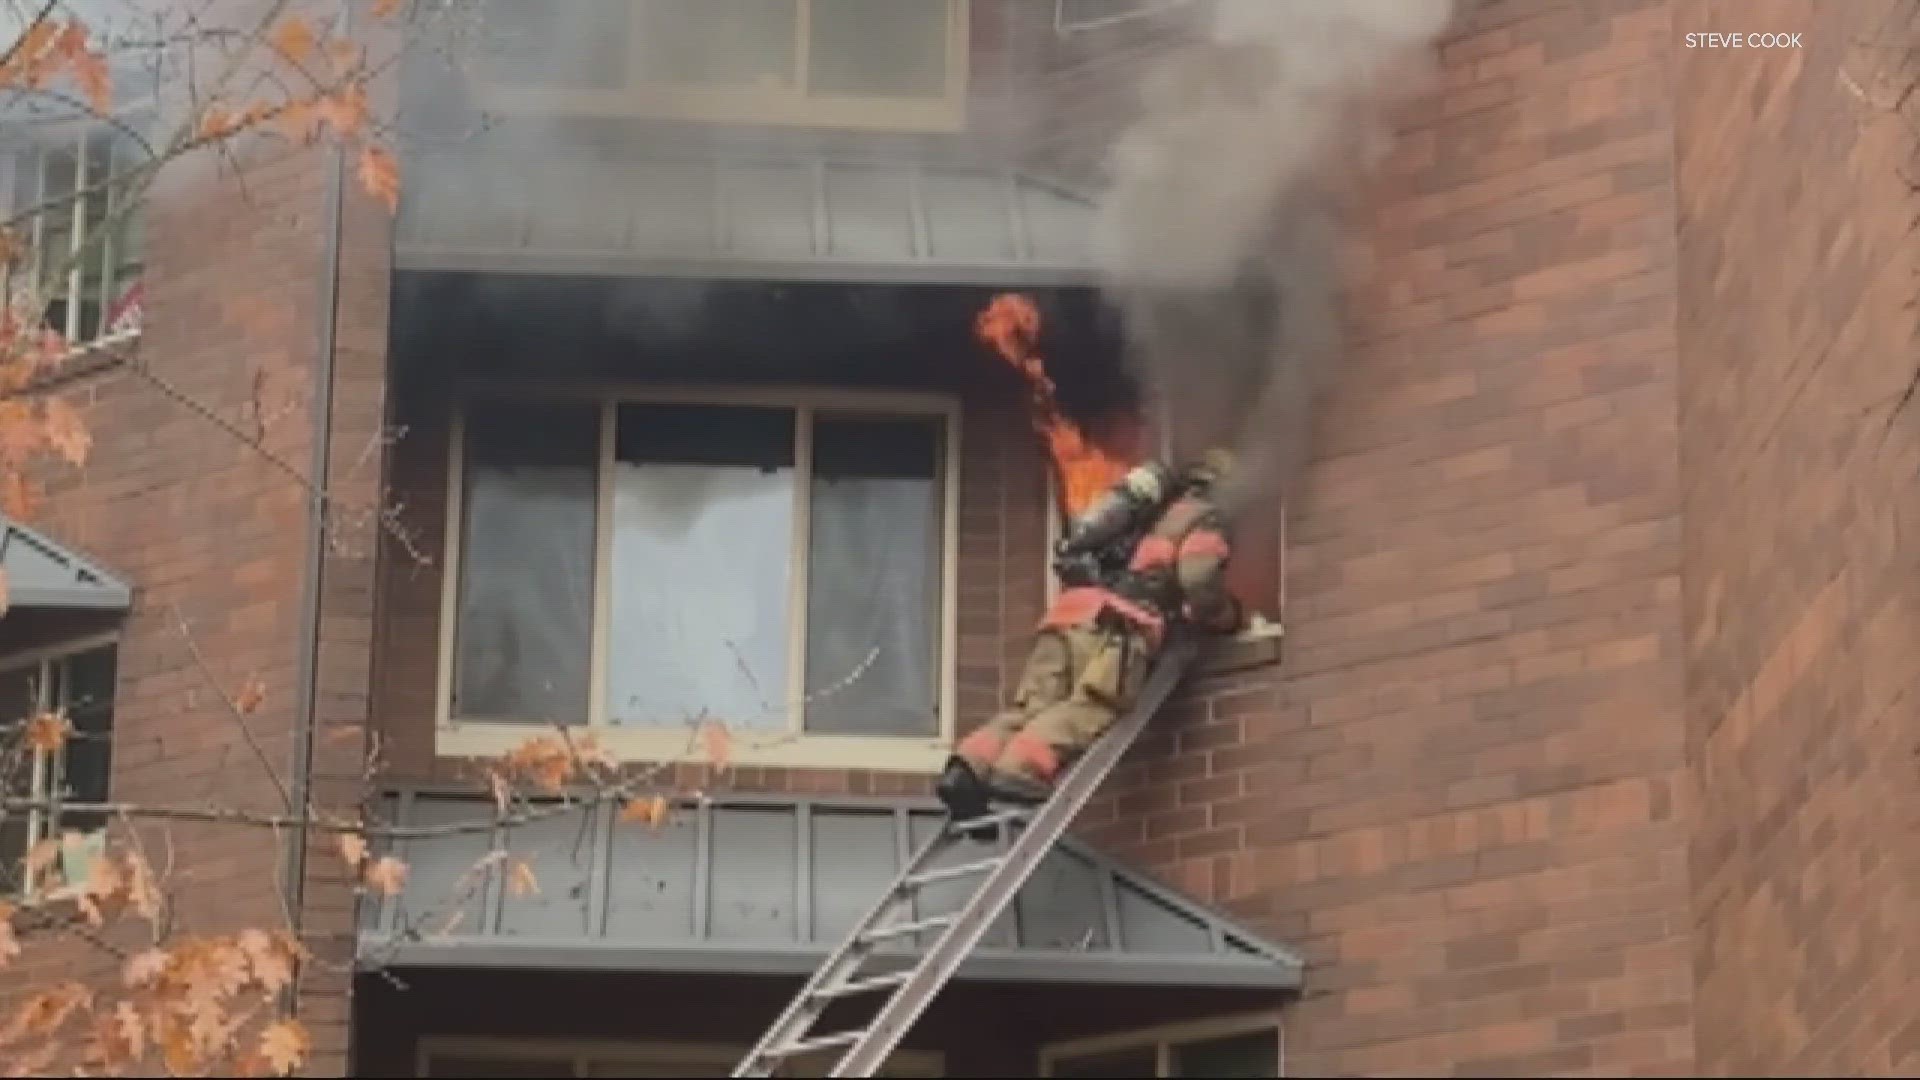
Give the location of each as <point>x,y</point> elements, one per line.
<point>964,794</point>
<point>1018,787</point>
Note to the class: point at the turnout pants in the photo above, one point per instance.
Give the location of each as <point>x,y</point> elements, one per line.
<point>1077,681</point>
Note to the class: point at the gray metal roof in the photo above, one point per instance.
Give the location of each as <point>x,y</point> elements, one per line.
<point>767,885</point>
<point>772,217</point>
<point>44,574</point>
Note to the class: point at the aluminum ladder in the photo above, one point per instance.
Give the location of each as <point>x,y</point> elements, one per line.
<point>913,988</point>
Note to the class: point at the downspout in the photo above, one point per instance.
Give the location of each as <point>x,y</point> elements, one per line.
<point>306,703</point>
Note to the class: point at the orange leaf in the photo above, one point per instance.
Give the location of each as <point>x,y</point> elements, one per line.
<point>142,894</point>
<point>347,111</point>
<point>67,431</point>
<point>386,875</point>
<point>145,967</point>
<point>380,175</point>
<point>293,37</point>
<point>353,848</point>
<point>271,958</point>
<point>42,1014</point>
<point>718,742</point>
<point>650,812</point>
<point>520,879</point>
<point>386,9</point>
<point>47,732</point>
<point>216,123</point>
<point>121,1037</point>
<point>9,944</point>
<point>285,1044</point>
<point>41,856</point>
<point>251,696</point>
<point>90,69</point>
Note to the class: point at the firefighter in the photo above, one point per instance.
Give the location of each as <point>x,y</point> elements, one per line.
<point>1150,551</point>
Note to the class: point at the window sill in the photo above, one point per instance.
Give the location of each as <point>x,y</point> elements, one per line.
<point>914,755</point>
<point>1257,646</point>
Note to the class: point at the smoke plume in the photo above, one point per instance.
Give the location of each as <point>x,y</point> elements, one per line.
<point>1220,234</point>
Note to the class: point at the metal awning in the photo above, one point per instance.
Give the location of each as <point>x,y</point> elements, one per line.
<point>44,574</point>
<point>734,216</point>
<point>768,885</point>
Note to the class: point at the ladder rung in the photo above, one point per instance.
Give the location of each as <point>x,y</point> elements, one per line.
<point>823,1042</point>
<point>987,821</point>
<point>864,986</point>
<point>948,873</point>
<point>904,929</point>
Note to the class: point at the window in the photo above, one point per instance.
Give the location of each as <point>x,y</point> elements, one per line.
<point>781,563</point>
<point>83,253</point>
<point>79,683</point>
<point>1249,1046</point>
<point>507,1058</point>
<point>890,64</point>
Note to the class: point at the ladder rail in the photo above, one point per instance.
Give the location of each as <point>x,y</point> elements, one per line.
<point>809,996</point>
<point>1043,831</point>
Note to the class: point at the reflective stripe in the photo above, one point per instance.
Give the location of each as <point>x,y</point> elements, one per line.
<point>980,748</point>
<point>1034,754</point>
<point>1152,553</point>
<point>1075,607</point>
<point>1205,544</point>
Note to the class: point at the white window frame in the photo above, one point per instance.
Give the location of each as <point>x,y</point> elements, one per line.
<point>793,747</point>
<point>779,107</point>
<point>1164,1038</point>
<point>582,1054</point>
<point>49,768</point>
<point>37,148</point>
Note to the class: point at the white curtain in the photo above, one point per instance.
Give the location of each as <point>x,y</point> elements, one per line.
<point>526,595</point>
<point>872,601</point>
<point>701,567</point>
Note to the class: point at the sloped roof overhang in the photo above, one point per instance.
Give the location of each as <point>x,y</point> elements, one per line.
<point>42,573</point>
<point>767,885</point>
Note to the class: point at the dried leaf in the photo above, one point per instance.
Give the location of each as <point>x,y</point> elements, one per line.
<point>90,70</point>
<point>718,742</point>
<point>293,37</point>
<point>298,121</point>
<point>42,1014</point>
<point>35,1062</point>
<point>216,122</point>
<point>120,1038</point>
<point>143,894</point>
<point>9,943</point>
<point>520,879</point>
<point>587,750</point>
<point>67,431</point>
<point>380,175</point>
<point>285,1044</point>
<point>271,958</point>
<point>386,876</point>
<point>41,856</point>
<point>650,812</point>
<point>353,848</point>
<point>502,791</point>
<point>105,886</point>
<point>250,697</point>
<point>47,732</point>
<point>543,760</point>
<point>346,112</point>
<point>19,496</point>
<point>386,9</point>
<point>145,967</point>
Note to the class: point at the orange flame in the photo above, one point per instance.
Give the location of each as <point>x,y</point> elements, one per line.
<point>1084,468</point>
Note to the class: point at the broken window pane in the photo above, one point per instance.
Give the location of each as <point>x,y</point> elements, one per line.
<point>526,564</point>
<point>873,591</point>
<point>885,48</point>
<point>702,565</point>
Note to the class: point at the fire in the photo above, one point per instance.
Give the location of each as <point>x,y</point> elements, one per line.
<point>1084,468</point>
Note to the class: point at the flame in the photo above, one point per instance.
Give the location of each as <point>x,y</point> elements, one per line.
<point>1083,466</point>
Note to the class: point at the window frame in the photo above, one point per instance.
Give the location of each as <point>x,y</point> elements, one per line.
<point>46,768</point>
<point>1163,1038</point>
<point>582,1054</point>
<point>792,746</point>
<point>793,107</point>
<point>1064,24</point>
<point>36,146</point>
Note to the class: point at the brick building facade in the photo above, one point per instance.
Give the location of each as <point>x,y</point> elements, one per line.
<point>1584,754</point>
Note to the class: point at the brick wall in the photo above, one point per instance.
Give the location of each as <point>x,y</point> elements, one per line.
<point>1462,794</point>
<point>211,532</point>
<point>1797,338</point>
